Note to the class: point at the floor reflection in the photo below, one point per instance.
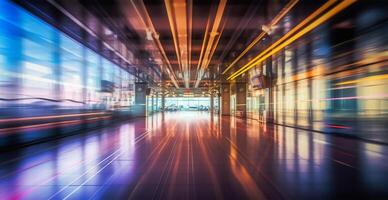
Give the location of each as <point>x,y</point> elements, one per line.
<point>196,155</point>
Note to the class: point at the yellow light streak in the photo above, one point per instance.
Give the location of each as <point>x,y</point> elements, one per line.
<point>369,78</point>
<point>212,42</point>
<point>147,22</point>
<point>179,18</point>
<point>180,10</point>
<point>204,42</point>
<point>272,50</point>
<point>207,62</point>
<point>216,44</point>
<point>274,21</point>
<point>292,31</point>
<point>190,22</point>
<point>172,22</point>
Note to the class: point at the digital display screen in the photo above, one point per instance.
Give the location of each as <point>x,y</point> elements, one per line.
<point>258,82</point>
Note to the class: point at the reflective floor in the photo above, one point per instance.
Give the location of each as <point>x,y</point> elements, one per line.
<point>194,155</point>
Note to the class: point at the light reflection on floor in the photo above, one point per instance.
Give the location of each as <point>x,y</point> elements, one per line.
<point>195,155</point>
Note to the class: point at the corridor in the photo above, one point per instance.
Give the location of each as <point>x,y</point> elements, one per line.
<point>195,155</point>
<point>185,100</point>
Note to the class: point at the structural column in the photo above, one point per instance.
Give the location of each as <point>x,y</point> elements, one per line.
<point>211,109</point>
<point>270,90</point>
<point>225,99</point>
<point>163,100</point>
<point>239,91</point>
<point>140,99</point>
<point>157,101</point>
<point>241,99</point>
<point>152,104</point>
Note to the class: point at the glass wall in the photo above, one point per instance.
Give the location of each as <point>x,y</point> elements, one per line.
<point>42,67</point>
<point>334,79</point>
<point>187,103</point>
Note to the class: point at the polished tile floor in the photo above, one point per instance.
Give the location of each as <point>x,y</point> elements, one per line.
<point>194,155</point>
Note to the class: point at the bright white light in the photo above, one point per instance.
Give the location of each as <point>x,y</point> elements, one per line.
<point>37,68</point>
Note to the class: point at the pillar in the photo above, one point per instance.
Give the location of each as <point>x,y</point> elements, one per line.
<point>225,99</point>
<point>211,109</point>
<point>140,99</point>
<point>153,108</point>
<point>240,90</point>
<point>163,100</point>
<point>270,91</point>
<point>157,101</point>
<point>241,99</point>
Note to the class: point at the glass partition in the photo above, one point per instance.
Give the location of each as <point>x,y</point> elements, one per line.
<point>187,103</point>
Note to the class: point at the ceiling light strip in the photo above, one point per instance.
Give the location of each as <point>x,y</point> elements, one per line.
<point>214,32</point>
<point>292,31</point>
<point>204,42</point>
<point>180,11</point>
<point>172,22</point>
<point>274,21</point>
<point>148,23</point>
<point>189,40</point>
<point>211,55</point>
<point>177,11</point>
<point>341,6</point>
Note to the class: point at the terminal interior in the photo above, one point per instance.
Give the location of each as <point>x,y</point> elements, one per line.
<point>193,99</point>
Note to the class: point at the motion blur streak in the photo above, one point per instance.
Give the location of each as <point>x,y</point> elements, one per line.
<point>369,78</point>
<point>219,166</point>
<point>50,125</point>
<point>274,22</point>
<point>184,99</point>
<point>49,117</point>
<point>316,13</point>
<point>305,30</point>
<point>46,76</point>
<point>147,25</point>
<point>211,42</point>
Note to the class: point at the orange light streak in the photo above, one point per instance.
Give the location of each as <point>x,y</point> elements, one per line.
<point>274,21</point>
<point>49,117</point>
<point>190,22</point>
<point>172,22</point>
<point>310,27</point>
<point>204,42</point>
<point>203,64</point>
<point>302,24</point>
<point>365,79</point>
<point>147,22</point>
<point>48,125</point>
<point>180,25</point>
<point>211,55</point>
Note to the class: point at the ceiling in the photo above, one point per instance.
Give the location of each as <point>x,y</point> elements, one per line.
<point>196,38</point>
<point>182,44</point>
